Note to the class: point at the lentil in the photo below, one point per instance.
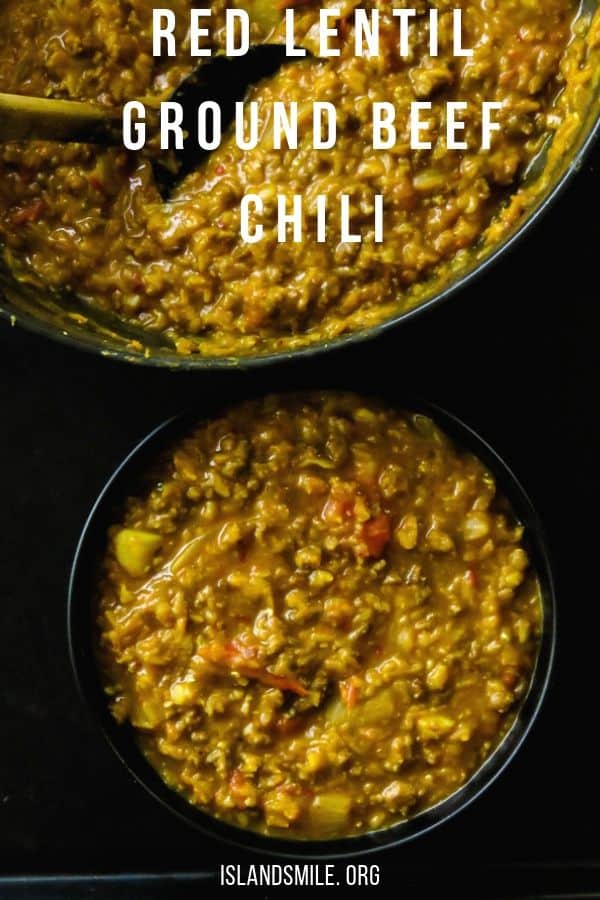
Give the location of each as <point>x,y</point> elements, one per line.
<point>311,662</point>
<point>91,220</point>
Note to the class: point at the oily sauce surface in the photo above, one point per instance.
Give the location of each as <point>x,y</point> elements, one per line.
<point>91,220</point>
<point>320,618</point>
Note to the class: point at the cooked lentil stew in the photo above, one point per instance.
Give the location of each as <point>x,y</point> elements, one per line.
<point>320,617</point>
<point>91,221</point>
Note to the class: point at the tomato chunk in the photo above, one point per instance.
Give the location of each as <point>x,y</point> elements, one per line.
<point>29,214</point>
<point>349,693</point>
<point>376,534</point>
<point>237,657</point>
<point>339,507</point>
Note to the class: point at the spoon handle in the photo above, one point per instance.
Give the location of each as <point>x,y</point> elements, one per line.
<point>37,118</point>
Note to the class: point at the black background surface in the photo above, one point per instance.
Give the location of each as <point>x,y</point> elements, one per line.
<point>515,356</point>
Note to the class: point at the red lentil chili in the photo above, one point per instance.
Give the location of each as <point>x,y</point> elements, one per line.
<point>91,220</point>
<point>320,618</point>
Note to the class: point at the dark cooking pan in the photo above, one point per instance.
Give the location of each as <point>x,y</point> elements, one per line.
<point>130,478</point>
<point>69,320</point>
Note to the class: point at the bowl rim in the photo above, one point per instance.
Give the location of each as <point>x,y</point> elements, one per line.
<point>121,737</point>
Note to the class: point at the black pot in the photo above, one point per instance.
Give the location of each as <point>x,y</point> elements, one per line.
<point>49,314</point>
<point>128,479</point>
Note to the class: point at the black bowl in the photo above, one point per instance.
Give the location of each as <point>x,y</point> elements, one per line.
<point>130,477</point>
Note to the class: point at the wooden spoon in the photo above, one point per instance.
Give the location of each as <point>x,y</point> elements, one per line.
<point>220,78</point>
